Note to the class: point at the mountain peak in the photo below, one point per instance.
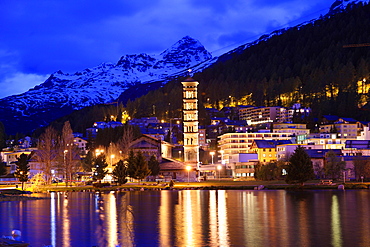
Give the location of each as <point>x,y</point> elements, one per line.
<point>186,51</point>
<point>62,92</point>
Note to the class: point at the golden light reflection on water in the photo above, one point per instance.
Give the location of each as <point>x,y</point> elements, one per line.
<point>335,223</point>
<point>111,222</point>
<point>248,216</point>
<point>197,218</point>
<point>125,221</point>
<point>188,219</point>
<point>223,230</point>
<point>165,220</point>
<point>303,226</point>
<point>66,224</point>
<point>213,217</point>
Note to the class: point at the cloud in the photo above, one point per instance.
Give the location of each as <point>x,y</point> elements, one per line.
<point>16,83</point>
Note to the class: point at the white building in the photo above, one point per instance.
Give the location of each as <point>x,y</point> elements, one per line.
<point>235,143</point>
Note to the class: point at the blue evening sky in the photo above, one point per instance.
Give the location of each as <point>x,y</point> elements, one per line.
<point>39,37</point>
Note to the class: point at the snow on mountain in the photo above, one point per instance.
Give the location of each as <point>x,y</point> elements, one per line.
<point>340,5</point>
<point>105,83</point>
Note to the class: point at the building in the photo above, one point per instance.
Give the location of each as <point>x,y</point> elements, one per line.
<point>242,165</point>
<point>234,143</point>
<point>259,115</point>
<point>266,149</point>
<point>143,122</point>
<point>328,140</point>
<point>148,145</point>
<point>190,122</point>
<point>81,144</point>
<point>284,151</point>
<point>291,128</point>
<point>11,157</point>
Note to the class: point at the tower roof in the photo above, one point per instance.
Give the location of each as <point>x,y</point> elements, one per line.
<point>189,79</point>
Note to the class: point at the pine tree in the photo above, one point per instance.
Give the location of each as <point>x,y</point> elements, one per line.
<point>300,167</point>
<point>137,165</point>
<point>88,162</point>
<point>100,166</point>
<point>153,165</point>
<point>23,168</point>
<point>142,170</point>
<point>120,172</point>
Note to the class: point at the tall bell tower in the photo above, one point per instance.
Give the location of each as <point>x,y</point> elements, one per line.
<point>190,122</point>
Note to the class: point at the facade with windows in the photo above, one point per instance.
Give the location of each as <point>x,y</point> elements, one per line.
<point>235,143</point>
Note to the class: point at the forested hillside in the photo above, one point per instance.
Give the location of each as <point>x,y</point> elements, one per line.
<point>308,64</point>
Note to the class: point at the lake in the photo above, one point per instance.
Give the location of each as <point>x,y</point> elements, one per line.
<point>192,218</point>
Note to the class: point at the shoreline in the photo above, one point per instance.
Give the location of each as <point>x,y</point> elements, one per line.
<point>18,195</point>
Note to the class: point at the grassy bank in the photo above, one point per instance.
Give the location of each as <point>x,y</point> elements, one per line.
<point>205,185</point>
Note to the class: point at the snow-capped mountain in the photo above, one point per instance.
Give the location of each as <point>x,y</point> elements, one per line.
<point>62,93</point>
<point>340,5</point>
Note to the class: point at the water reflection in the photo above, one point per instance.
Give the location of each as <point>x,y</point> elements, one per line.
<point>66,223</point>
<point>53,222</point>
<point>192,218</point>
<point>335,223</point>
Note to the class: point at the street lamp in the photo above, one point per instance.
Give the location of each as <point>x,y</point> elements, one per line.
<point>222,156</point>
<point>180,155</point>
<point>111,159</point>
<point>188,168</point>
<point>212,154</point>
<point>219,171</point>
<point>65,165</point>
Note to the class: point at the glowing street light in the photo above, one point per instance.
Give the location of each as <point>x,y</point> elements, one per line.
<point>111,159</point>
<point>212,154</point>
<point>188,168</point>
<point>219,171</point>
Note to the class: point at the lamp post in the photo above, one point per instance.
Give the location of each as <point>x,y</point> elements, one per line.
<point>212,154</point>
<point>188,169</point>
<point>219,171</point>
<point>111,159</point>
<point>180,155</point>
<point>65,165</point>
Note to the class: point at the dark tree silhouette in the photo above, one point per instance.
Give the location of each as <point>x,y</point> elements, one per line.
<point>300,167</point>
<point>23,168</point>
<point>153,165</point>
<point>120,172</point>
<point>100,166</point>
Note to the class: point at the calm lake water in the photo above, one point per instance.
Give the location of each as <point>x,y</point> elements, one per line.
<point>193,218</point>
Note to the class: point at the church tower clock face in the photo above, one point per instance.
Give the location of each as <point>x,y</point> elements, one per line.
<point>190,122</point>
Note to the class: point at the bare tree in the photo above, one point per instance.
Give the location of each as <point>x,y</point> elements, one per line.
<point>46,153</point>
<point>124,143</point>
<point>70,153</point>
